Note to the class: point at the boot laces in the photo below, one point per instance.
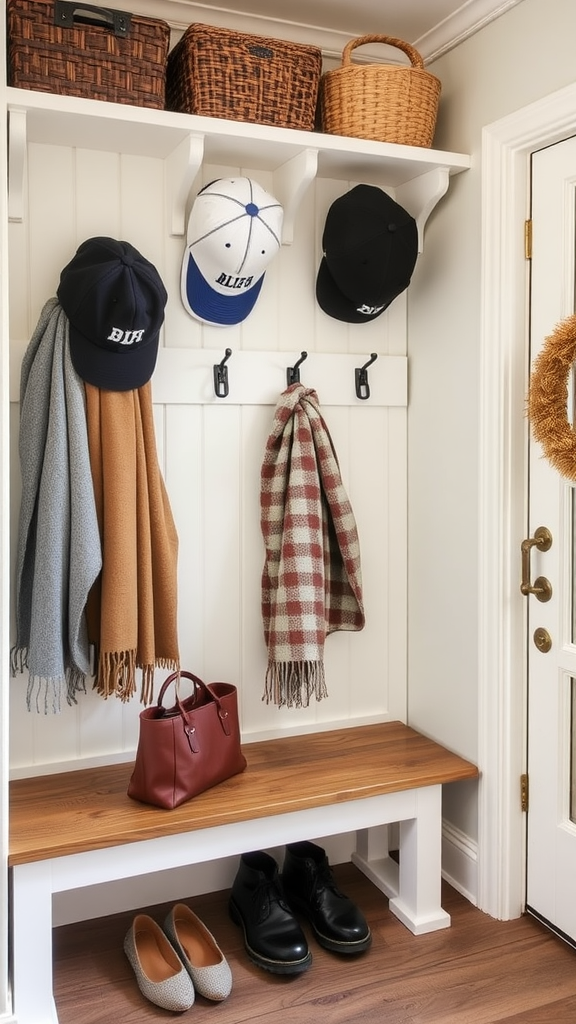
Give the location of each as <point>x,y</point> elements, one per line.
<point>325,879</point>
<point>267,892</point>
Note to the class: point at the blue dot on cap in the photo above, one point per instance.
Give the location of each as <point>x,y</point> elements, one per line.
<point>252,210</point>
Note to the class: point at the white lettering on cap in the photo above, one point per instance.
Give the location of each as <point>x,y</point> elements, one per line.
<point>369,310</point>
<point>125,337</point>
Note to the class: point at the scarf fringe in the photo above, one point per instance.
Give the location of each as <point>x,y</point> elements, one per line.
<point>45,694</point>
<point>116,675</point>
<point>18,660</point>
<point>293,684</point>
<point>147,690</point>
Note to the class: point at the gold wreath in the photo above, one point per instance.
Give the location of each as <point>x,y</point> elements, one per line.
<point>548,398</point>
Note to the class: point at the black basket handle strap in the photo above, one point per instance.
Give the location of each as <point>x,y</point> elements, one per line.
<point>415,58</point>
<point>66,13</point>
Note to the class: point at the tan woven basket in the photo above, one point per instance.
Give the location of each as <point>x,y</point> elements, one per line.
<point>218,72</point>
<point>383,102</point>
<point>77,49</point>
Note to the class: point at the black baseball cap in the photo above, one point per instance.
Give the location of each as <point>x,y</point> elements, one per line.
<point>114,299</point>
<point>370,247</point>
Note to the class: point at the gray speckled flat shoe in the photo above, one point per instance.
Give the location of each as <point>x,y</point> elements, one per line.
<point>199,952</point>
<point>161,975</point>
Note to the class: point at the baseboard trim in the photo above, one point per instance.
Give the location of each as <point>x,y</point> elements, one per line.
<point>460,861</point>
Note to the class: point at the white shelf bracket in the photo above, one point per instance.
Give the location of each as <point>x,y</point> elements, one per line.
<point>290,183</point>
<point>17,143</point>
<point>182,166</point>
<point>420,195</point>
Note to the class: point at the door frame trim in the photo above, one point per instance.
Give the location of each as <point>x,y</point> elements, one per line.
<point>507,145</point>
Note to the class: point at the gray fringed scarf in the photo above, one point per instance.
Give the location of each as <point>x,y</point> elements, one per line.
<point>59,553</point>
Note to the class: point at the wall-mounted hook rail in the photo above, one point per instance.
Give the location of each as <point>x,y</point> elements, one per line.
<point>221,388</point>
<point>361,377</point>
<point>293,372</point>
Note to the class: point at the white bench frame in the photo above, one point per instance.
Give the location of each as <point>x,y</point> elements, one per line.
<point>413,885</point>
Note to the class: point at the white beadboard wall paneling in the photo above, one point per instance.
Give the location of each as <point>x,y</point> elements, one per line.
<point>257,717</point>
<point>185,484</point>
<point>210,450</point>
<point>395,576</point>
<point>377,481</point>
<point>49,227</point>
<point>295,272</point>
<point>222,539</point>
<point>98,194</point>
<point>338,647</point>
<point>18,273</point>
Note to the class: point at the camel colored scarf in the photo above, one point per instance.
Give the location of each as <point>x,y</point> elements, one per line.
<point>311,582</point>
<point>132,608</point>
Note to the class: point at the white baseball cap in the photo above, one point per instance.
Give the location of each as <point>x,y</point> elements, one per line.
<point>234,231</point>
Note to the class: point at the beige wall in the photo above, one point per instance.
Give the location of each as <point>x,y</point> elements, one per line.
<point>519,58</point>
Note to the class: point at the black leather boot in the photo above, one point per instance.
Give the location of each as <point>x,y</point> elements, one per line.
<point>272,936</point>
<point>310,888</point>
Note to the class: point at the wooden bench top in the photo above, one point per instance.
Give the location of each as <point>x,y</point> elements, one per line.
<point>88,809</point>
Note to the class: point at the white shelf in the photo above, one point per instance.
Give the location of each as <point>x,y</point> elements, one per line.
<point>418,177</point>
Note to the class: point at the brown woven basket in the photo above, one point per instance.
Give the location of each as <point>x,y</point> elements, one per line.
<point>383,102</point>
<point>217,72</point>
<point>76,49</point>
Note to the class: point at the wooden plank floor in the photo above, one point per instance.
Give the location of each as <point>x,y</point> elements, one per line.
<point>479,971</point>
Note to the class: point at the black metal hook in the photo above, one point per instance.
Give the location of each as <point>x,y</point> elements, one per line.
<point>221,376</point>
<point>361,376</point>
<point>293,373</point>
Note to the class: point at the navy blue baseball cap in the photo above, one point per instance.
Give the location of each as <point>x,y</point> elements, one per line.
<point>370,248</point>
<point>114,299</point>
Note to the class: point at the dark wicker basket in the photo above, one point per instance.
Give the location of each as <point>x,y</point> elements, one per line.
<point>81,50</point>
<point>216,72</point>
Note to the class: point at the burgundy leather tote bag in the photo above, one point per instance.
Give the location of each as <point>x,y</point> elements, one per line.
<point>188,748</point>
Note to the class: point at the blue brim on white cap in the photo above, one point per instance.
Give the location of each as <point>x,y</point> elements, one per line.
<point>210,306</point>
<point>234,231</point>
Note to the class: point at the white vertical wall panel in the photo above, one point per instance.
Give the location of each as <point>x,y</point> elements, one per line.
<point>221,539</point>
<point>211,453</point>
<point>49,229</point>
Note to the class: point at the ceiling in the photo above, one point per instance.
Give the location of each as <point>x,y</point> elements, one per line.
<point>432,26</point>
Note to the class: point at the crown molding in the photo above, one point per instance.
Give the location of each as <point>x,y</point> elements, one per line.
<point>465,22</point>
<point>468,19</point>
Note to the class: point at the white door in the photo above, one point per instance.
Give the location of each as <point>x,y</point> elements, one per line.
<point>551,819</point>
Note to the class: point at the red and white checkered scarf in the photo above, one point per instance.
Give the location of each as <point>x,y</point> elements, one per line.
<point>311,581</point>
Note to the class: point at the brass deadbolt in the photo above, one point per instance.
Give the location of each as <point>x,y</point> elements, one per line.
<point>542,639</point>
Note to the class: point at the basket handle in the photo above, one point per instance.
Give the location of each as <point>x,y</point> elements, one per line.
<point>415,58</point>
<point>67,12</point>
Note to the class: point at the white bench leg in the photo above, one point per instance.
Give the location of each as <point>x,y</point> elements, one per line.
<point>413,886</point>
<point>32,945</point>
